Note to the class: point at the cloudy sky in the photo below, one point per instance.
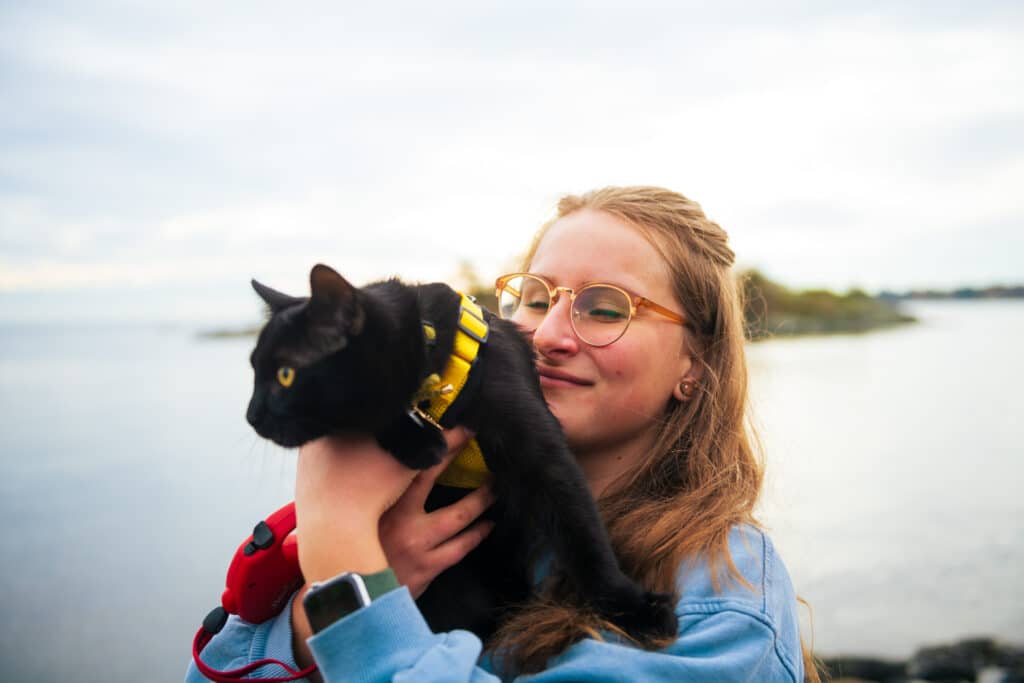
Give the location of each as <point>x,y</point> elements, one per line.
<point>154,158</point>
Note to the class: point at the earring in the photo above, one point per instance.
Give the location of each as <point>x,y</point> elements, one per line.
<point>686,388</point>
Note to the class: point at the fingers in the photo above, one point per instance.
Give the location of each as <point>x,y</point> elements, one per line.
<point>449,521</point>
<point>452,551</point>
<point>419,574</point>
<point>420,545</point>
<point>457,437</point>
<point>416,495</point>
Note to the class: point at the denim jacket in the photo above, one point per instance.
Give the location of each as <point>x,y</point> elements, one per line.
<point>737,633</point>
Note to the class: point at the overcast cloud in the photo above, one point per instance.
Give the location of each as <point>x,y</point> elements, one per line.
<point>153,159</point>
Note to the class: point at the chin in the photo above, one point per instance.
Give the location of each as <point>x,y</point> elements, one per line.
<point>287,440</point>
<point>287,435</point>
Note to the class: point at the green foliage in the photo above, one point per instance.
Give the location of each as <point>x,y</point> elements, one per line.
<point>772,310</point>
<point>769,310</point>
<point>471,284</point>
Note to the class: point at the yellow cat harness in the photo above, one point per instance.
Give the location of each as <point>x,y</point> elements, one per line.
<point>438,392</point>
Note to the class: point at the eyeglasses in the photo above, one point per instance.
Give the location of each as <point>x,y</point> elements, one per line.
<point>599,313</point>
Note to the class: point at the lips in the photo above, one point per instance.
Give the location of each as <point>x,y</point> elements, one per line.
<point>554,377</point>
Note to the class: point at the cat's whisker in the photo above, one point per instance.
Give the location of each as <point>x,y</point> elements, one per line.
<point>242,437</point>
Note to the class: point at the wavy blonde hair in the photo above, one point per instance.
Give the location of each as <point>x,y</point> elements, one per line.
<point>704,474</point>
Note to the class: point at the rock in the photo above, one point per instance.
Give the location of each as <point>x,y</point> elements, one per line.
<point>960,661</point>
<point>992,674</point>
<point>866,669</point>
<point>972,660</point>
<point>1011,660</point>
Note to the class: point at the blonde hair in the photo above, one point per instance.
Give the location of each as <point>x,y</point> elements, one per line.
<point>703,476</point>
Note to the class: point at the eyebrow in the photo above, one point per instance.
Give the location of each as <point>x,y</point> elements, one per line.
<point>632,290</point>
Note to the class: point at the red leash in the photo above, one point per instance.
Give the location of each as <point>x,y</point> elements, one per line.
<point>261,578</point>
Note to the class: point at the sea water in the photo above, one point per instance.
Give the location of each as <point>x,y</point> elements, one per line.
<point>894,476</point>
<point>129,476</point>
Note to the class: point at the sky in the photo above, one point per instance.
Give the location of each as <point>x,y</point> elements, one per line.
<point>156,156</point>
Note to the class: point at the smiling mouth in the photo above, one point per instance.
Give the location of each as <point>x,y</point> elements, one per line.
<point>553,377</point>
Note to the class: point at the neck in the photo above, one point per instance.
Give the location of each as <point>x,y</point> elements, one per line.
<point>605,464</point>
<point>391,349</point>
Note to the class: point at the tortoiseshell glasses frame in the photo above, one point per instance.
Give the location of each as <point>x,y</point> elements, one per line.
<point>599,313</point>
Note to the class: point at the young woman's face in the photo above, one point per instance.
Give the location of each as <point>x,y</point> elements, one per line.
<point>612,396</point>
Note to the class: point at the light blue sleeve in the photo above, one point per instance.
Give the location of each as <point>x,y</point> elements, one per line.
<point>240,643</point>
<point>386,641</point>
<point>724,646</point>
<point>736,633</point>
<point>390,642</point>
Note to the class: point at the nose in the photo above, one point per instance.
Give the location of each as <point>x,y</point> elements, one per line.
<point>554,336</point>
<point>254,414</point>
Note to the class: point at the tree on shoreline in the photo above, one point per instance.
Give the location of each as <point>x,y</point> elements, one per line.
<point>770,309</point>
<point>773,310</point>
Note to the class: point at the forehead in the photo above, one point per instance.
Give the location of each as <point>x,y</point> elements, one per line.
<point>591,246</point>
<point>284,341</point>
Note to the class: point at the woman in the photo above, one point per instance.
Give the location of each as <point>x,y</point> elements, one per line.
<point>653,403</point>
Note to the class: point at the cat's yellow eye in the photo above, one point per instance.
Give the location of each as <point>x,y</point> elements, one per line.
<point>285,376</point>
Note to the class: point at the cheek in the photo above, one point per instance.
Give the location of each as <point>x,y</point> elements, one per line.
<point>637,379</point>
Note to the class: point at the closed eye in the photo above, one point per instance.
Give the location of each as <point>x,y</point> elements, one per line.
<point>606,315</point>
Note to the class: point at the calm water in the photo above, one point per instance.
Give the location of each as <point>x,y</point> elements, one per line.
<point>129,477</point>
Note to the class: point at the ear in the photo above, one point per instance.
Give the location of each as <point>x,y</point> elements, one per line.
<point>689,381</point>
<point>273,298</point>
<point>333,299</point>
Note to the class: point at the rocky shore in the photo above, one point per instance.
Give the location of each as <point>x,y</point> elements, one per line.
<point>976,660</point>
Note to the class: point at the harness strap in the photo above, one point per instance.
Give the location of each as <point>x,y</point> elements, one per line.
<point>439,392</point>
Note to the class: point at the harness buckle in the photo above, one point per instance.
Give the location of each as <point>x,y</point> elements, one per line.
<point>480,331</point>
<point>417,412</point>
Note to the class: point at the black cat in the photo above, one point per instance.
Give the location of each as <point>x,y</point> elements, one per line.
<point>350,358</point>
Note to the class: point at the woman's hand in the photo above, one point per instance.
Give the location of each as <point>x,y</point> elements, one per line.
<point>353,500</point>
<point>343,485</point>
<point>420,545</point>
<point>358,509</point>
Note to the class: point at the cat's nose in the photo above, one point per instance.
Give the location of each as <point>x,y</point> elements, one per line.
<point>254,413</point>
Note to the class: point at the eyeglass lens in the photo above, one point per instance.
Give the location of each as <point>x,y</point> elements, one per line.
<point>599,314</point>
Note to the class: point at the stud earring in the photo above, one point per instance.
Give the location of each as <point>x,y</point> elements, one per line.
<point>686,388</point>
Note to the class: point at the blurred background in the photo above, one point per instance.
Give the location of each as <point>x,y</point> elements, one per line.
<point>867,159</point>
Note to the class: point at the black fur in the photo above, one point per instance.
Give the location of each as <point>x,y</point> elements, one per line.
<point>359,356</point>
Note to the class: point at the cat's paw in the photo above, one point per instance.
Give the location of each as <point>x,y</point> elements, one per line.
<point>649,618</point>
<point>414,442</point>
<point>420,456</point>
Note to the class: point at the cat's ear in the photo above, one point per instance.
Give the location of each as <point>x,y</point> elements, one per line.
<point>333,299</point>
<point>276,300</point>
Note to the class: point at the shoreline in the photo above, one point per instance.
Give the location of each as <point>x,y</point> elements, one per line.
<point>974,660</point>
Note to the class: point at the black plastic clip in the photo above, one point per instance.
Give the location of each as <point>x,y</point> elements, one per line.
<point>215,620</point>
<point>262,538</point>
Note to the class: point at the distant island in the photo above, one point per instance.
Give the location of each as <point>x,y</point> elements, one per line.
<point>997,292</point>
<point>772,310</point>
<point>230,333</point>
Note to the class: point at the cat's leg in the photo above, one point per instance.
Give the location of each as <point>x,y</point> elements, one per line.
<point>468,596</point>
<point>416,443</point>
<point>544,493</point>
<point>474,593</point>
<point>549,494</point>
